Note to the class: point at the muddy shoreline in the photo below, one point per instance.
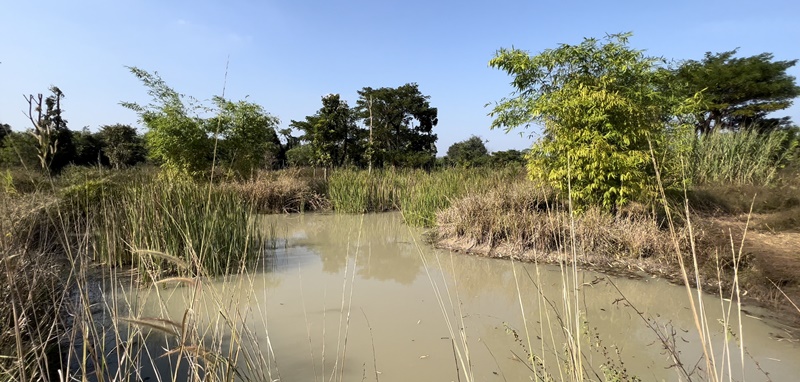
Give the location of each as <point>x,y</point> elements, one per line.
<point>785,321</point>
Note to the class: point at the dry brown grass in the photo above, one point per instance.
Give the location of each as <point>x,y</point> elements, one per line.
<point>281,192</point>
<point>31,285</point>
<point>523,220</point>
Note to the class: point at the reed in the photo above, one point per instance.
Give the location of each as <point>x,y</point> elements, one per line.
<point>199,224</point>
<point>746,157</point>
<point>418,194</point>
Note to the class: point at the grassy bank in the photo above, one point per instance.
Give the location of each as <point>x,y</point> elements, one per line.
<point>418,194</point>
<point>59,244</point>
<point>741,194</point>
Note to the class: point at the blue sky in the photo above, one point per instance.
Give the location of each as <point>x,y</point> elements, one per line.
<point>286,54</point>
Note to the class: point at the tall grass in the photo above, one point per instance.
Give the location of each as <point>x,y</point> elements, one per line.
<point>62,254</point>
<point>357,191</point>
<point>199,224</point>
<point>418,194</point>
<point>281,192</point>
<point>746,157</point>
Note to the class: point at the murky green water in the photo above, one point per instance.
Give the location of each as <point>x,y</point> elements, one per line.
<point>350,297</point>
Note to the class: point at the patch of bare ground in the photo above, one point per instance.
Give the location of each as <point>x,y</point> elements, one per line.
<point>771,259</point>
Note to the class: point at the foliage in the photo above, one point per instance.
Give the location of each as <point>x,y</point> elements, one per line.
<point>402,125</point>
<point>248,138</point>
<point>332,134</point>
<point>600,109</point>
<point>88,149</point>
<point>505,158</point>
<point>5,130</point>
<point>468,153</point>
<point>121,145</point>
<point>177,138</point>
<point>738,158</point>
<point>299,156</point>
<point>19,149</point>
<point>738,92</point>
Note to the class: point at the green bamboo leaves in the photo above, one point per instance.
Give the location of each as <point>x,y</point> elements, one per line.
<point>600,104</point>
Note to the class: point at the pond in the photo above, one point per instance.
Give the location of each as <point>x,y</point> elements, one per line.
<point>363,297</point>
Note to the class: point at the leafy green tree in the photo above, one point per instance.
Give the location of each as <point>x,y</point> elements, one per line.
<point>505,158</point>
<point>738,92</point>
<point>19,149</point>
<point>402,121</point>
<point>122,145</point>
<point>599,106</point>
<point>332,133</point>
<point>288,142</point>
<point>468,153</point>
<point>249,140</point>
<point>177,137</point>
<point>88,149</point>
<point>301,155</point>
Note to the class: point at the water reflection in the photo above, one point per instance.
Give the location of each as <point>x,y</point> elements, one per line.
<point>383,244</point>
<point>361,280</point>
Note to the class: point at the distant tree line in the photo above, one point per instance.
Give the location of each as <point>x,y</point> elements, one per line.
<point>50,145</point>
<point>622,96</point>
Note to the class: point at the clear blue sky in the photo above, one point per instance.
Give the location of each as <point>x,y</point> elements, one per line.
<point>286,54</point>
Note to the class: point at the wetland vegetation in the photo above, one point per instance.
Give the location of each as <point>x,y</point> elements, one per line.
<point>638,172</point>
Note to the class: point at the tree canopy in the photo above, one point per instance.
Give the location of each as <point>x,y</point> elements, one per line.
<point>121,145</point>
<point>53,139</point>
<point>738,92</point>
<point>176,138</point>
<point>402,121</point>
<point>179,139</point>
<point>468,153</point>
<point>249,140</point>
<point>600,108</point>
<point>333,136</point>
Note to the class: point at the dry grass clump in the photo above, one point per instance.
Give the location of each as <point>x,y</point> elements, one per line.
<point>281,192</point>
<point>523,218</point>
<point>31,284</point>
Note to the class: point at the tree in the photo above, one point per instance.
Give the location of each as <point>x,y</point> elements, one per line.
<point>19,149</point>
<point>506,158</point>
<point>121,145</point>
<point>88,148</point>
<point>600,108</point>
<point>53,138</point>
<point>301,155</point>
<point>738,92</point>
<point>468,153</point>
<point>177,138</point>
<point>402,121</point>
<point>5,130</point>
<point>333,136</point>
<point>249,140</point>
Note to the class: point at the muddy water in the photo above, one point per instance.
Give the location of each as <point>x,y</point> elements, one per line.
<point>355,298</point>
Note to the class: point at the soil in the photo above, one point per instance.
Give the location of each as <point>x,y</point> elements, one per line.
<point>772,256</point>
